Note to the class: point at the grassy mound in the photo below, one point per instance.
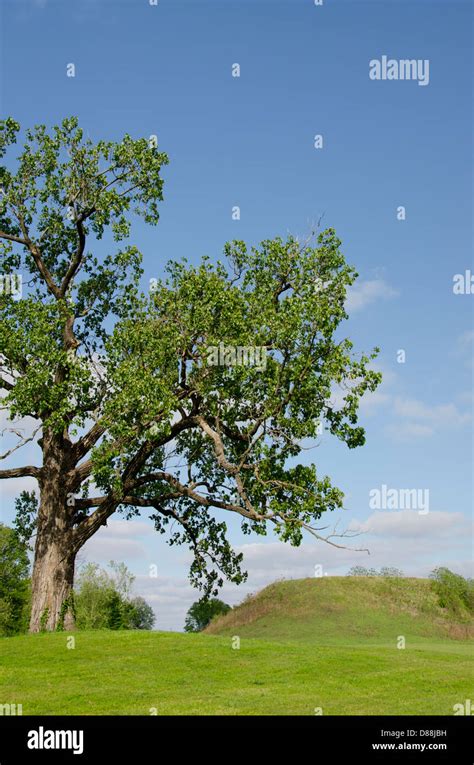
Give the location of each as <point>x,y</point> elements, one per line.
<point>344,610</point>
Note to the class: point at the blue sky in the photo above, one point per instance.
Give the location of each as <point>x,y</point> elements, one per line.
<point>248,141</point>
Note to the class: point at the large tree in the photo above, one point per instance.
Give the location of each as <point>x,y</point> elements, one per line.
<point>133,408</point>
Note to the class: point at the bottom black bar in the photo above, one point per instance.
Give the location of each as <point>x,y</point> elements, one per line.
<point>91,739</point>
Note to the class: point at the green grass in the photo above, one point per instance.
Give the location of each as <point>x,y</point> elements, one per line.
<point>293,657</point>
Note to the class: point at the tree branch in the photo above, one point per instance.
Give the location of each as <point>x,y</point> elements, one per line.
<point>20,444</point>
<point>76,260</point>
<point>13,238</point>
<point>84,444</point>
<point>21,472</point>
<point>40,265</point>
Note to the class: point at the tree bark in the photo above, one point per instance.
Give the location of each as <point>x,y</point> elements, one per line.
<point>52,583</point>
<point>53,570</point>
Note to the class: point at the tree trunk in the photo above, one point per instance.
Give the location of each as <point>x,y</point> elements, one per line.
<point>52,582</point>
<point>53,570</point>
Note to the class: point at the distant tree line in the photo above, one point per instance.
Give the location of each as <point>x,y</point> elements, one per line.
<point>455,592</point>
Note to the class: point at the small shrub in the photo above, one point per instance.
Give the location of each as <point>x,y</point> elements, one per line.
<point>455,593</point>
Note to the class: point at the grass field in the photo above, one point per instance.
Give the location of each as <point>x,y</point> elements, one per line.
<point>295,656</point>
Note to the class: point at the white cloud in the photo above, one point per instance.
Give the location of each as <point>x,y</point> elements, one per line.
<point>406,431</point>
<point>419,420</point>
<point>366,292</point>
<point>370,402</point>
<point>410,523</point>
<point>400,538</point>
<point>439,415</point>
<point>118,540</point>
<point>105,549</point>
<point>118,529</point>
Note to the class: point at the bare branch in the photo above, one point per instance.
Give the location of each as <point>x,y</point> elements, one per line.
<point>347,534</point>
<point>21,443</point>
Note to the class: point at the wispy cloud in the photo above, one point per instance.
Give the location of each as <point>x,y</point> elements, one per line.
<point>409,523</point>
<point>438,415</point>
<point>364,293</point>
<point>407,431</point>
<point>118,540</point>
